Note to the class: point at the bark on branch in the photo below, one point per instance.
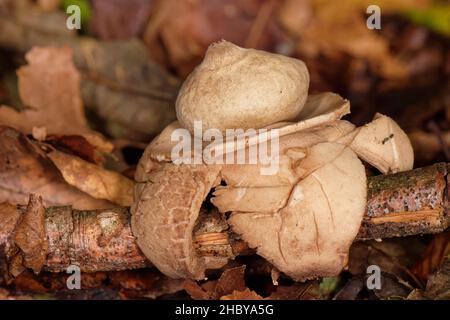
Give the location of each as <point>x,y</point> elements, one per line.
<point>408,203</point>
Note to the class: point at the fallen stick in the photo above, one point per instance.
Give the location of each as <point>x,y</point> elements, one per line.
<point>403,204</point>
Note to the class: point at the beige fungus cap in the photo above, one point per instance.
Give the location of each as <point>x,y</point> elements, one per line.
<point>242,88</point>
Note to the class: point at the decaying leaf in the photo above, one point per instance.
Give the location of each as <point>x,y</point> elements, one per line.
<point>246,294</point>
<point>195,291</point>
<point>111,18</point>
<point>6,295</point>
<point>392,288</point>
<point>351,289</point>
<point>50,86</point>
<point>48,5</point>
<point>187,28</point>
<point>438,285</point>
<point>434,256</point>
<point>9,215</point>
<point>145,282</point>
<point>30,236</point>
<point>230,280</point>
<point>130,93</point>
<point>165,286</point>
<point>324,28</point>
<point>427,145</point>
<point>24,169</point>
<point>297,291</point>
<point>395,257</point>
<point>76,144</point>
<point>92,179</point>
<point>179,33</point>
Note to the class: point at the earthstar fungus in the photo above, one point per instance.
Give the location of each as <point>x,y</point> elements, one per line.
<point>302,219</point>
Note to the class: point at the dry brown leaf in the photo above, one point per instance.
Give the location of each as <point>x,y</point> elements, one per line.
<point>6,295</point>
<point>434,256</point>
<point>195,290</point>
<point>328,30</point>
<point>186,28</point>
<point>231,280</point>
<point>393,256</point>
<point>438,285</point>
<point>24,170</point>
<point>94,180</point>
<point>112,18</point>
<point>148,282</point>
<point>428,145</point>
<point>131,95</point>
<point>351,289</point>
<point>163,287</point>
<point>297,291</point>
<point>30,236</point>
<point>50,86</point>
<point>246,294</point>
<point>9,215</point>
<point>78,145</point>
<point>48,5</point>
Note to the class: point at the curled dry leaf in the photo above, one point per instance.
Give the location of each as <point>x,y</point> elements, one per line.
<point>195,291</point>
<point>30,237</point>
<point>24,169</point>
<point>93,179</point>
<point>76,144</point>
<point>230,280</point>
<point>50,86</point>
<point>9,215</point>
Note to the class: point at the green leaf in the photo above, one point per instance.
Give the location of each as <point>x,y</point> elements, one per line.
<point>329,284</point>
<point>435,18</point>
